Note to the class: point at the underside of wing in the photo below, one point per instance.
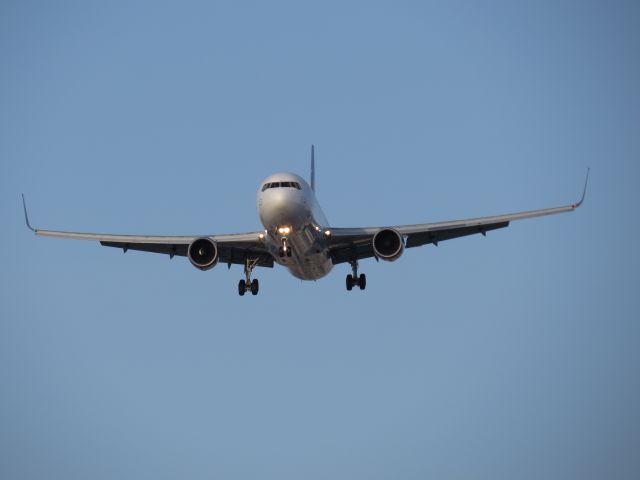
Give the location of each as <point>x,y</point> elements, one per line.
<point>351,244</point>
<point>228,252</point>
<point>232,248</point>
<point>347,245</point>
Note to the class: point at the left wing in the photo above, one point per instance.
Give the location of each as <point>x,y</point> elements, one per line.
<point>349,244</point>
<point>232,248</point>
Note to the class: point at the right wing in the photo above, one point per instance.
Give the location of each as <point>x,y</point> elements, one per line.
<point>349,244</point>
<point>232,248</point>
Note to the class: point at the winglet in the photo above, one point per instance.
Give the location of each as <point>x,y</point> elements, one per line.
<point>584,192</point>
<point>313,169</point>
<point>26,216</point>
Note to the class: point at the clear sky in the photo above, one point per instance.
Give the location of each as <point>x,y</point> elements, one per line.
<point>510,356</point>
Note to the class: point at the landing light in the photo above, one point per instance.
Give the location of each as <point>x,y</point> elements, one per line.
<point>327,233</point>
<point>284,230</point>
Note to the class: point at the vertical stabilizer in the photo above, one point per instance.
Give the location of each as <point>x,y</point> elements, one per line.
<point>313,169</point>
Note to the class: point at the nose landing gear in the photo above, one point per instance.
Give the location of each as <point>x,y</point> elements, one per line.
<point>285,249</point>
<point>248,285</point>
<point>353,280</point>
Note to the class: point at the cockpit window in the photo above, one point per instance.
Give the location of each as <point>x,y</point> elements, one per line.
<point>295,185</point>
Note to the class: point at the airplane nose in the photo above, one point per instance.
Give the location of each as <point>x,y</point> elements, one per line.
<point>280,209</point>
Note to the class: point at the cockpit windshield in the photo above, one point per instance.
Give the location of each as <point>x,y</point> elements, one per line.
<point>295,185</point>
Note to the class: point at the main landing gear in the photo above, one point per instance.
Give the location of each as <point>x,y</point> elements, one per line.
<point>354,279</point>
<point>248,285</point>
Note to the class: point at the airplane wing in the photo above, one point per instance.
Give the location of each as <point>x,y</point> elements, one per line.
<point>349,244</point>
<point>232,248</point>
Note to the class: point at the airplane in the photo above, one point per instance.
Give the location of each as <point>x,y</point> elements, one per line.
<point>297,235</point>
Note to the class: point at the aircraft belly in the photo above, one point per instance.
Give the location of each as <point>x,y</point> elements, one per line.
<point>311,268</point>
<point>310,260</point>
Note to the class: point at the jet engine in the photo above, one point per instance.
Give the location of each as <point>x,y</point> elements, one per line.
<point>388,244</point>
<point>203,253</point>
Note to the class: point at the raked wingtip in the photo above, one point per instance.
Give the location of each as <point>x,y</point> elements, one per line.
<point>26,215</point>
<point>584,191</point>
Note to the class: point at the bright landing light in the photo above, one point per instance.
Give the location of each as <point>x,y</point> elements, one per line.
<point>284,230</point>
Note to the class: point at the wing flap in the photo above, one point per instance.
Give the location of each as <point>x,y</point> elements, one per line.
<point>228,253</point>
<point>346,253</point>
<point>166,248</point>
<point>435,236</point>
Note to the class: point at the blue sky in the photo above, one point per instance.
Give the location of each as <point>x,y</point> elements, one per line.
<point>511,356</point>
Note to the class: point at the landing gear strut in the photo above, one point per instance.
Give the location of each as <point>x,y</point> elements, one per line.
<point>285,249</point>
<point>354,279</point>
<point>247,285</point>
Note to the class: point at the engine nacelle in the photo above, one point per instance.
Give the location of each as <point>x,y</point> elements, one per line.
<point>388,244</point>
<point>203,253</point>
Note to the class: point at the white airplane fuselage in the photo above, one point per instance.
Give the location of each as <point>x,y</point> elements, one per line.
<point>297,235</point>
<point>293,218</point>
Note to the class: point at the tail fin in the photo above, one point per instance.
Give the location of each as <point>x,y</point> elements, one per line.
<point>313,169</point>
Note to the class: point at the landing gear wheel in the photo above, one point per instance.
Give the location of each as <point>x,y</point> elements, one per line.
<point>247,285</point>
<point>354,279</point>
<point>289,252</point>
<point>281,252</point>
